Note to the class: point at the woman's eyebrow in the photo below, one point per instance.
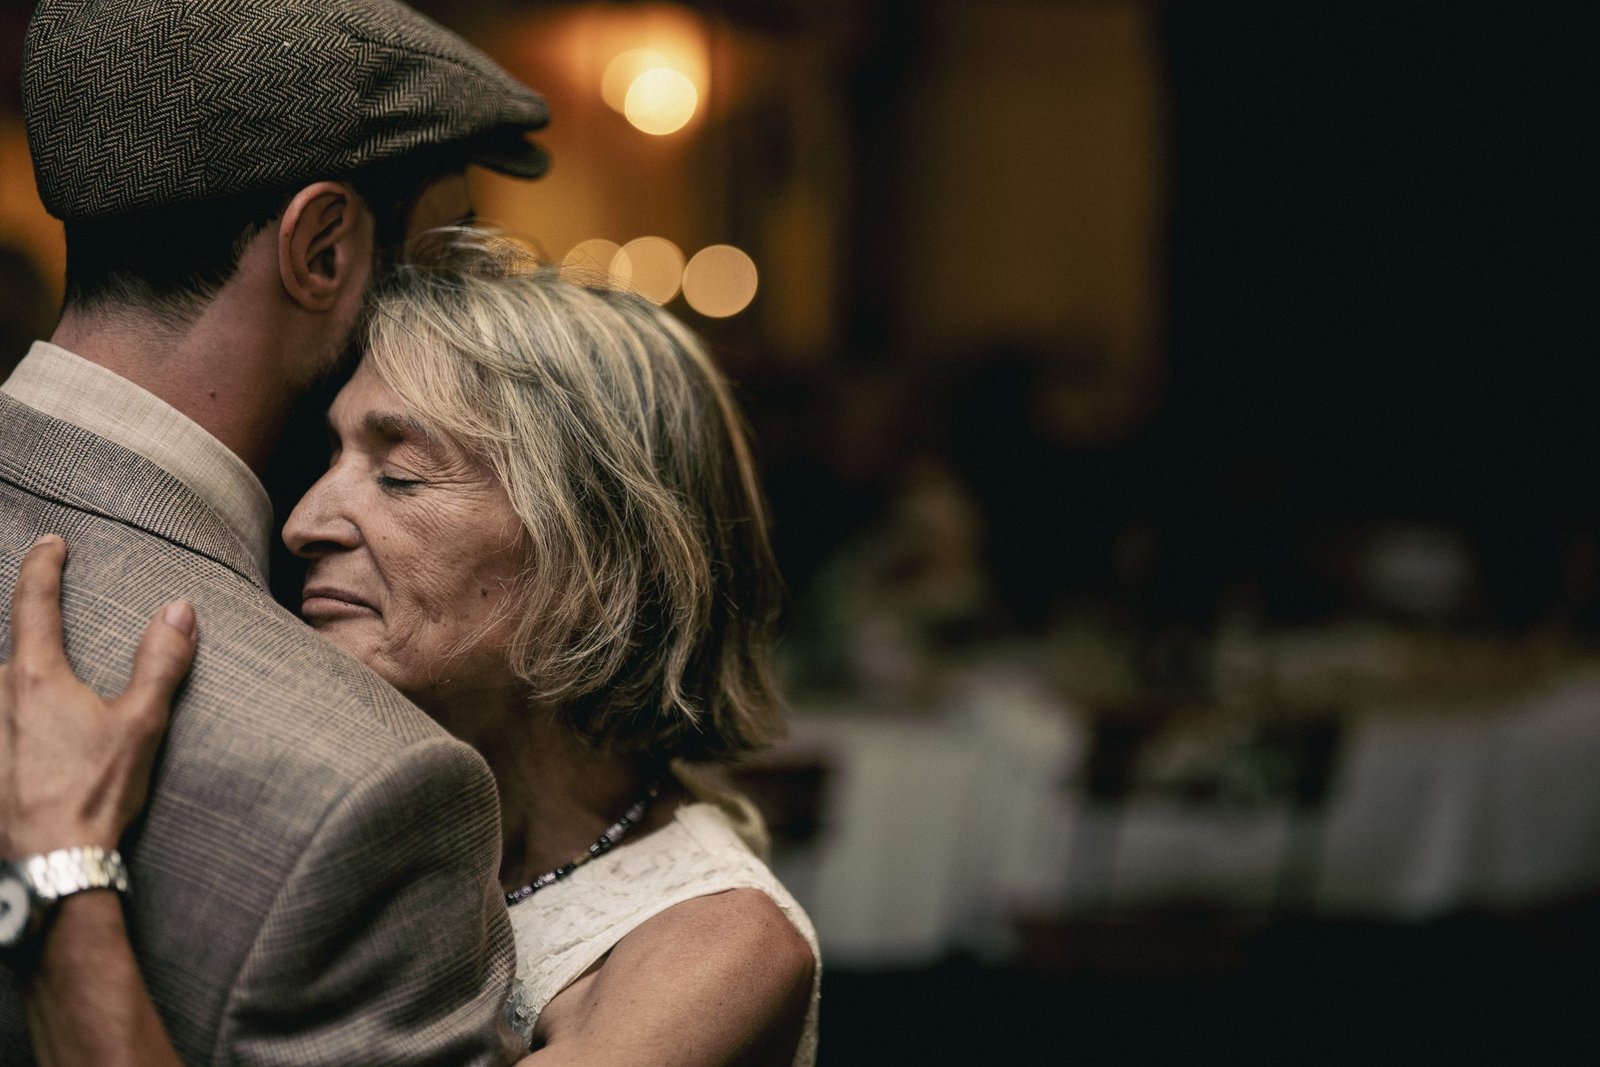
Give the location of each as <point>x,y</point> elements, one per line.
<point>394,426</point>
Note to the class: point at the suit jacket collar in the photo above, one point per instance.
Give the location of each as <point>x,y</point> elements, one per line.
<point>60,462</point>
<point>64,385</point>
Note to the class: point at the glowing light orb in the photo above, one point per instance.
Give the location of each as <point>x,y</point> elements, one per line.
<point>661,101</point>
<point>596,258</point>
<point>621,72</point>
<point>656,265</point>
<point>720,281</point>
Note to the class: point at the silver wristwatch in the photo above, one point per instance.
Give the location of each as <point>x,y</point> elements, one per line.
<point>30,888</point>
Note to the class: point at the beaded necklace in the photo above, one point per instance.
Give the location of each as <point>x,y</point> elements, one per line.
<point>614,833</point>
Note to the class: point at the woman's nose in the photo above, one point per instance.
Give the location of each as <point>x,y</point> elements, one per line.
<point>319,525</point>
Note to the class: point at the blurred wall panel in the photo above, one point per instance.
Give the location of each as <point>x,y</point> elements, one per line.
<point>24,223</point>
<point>1034,181</point>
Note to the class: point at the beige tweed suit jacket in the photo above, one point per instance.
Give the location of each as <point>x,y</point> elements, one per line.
<point>314,879</point>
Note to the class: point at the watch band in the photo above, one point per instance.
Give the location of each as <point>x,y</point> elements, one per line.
<point>58,874</point>
<point>32,887</point>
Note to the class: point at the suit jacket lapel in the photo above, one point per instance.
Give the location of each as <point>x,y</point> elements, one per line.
<point>60,462</point>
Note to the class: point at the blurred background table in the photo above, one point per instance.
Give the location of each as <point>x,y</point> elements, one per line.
<point>937,826</point>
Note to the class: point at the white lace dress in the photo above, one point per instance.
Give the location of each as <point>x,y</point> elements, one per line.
<point>707,848</point>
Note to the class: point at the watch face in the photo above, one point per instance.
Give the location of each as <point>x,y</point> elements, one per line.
<point>13,908</point>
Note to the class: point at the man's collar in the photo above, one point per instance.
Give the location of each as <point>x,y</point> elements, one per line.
<point>68,387</point>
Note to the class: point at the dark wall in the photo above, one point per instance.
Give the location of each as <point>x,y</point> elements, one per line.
<point>1381,280</point>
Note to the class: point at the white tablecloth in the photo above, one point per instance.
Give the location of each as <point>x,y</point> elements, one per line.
<point>932,823</point>
<point>938,827</point>
<point>1498,807</point>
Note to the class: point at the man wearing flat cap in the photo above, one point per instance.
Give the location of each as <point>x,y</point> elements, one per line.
<point>314,881</point>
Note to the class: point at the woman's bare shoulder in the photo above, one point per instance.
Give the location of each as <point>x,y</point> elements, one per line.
<point>722,979</point>
<point>746,926</point>
<point>736,944</point>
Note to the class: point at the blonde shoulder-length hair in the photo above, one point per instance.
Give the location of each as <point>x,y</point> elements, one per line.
<point>649,594</point>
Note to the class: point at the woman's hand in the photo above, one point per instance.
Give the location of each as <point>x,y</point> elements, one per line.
<point>74,769</point>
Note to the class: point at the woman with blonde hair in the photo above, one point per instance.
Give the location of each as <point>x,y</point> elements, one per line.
<point>542,523</point>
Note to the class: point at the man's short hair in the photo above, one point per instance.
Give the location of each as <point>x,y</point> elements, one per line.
<point>171,260</point>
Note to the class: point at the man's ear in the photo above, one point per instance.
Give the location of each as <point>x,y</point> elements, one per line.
<point>324,245</point>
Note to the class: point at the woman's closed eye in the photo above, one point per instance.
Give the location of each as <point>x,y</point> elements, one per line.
<point>395,484</point>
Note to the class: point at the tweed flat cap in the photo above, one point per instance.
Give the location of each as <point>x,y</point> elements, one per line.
<point>135,104</point>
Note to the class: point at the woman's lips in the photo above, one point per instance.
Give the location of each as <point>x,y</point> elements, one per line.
<point>326,602</point>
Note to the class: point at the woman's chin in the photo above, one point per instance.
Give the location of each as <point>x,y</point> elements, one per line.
<point>345,635</point>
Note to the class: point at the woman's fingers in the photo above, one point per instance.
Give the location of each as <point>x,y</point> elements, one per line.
<point>74,769</point>
<point>37,646</point>
<point>164,656</point>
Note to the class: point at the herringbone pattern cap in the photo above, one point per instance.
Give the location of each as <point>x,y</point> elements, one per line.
<point>136,104</point>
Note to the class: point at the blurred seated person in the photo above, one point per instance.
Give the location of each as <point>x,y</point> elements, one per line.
<point>884,612</point>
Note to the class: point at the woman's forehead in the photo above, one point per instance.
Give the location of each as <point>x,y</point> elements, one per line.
<point>367,404</point>
<point>368,410</point>
<point>364,393</point>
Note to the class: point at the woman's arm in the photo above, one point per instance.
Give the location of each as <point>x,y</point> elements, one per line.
<point>719,981</point>
<point>74,770</point>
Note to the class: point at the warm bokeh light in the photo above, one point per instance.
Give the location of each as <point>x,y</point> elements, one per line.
<point>596,258</point>
<point>656,267</point>
<point>661,101</point>
<point>720,281</point>
<point>622,71</point>
<point>24,223</point>
<point>602,162</point>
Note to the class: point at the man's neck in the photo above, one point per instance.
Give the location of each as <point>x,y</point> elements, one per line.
<point>206,369</point>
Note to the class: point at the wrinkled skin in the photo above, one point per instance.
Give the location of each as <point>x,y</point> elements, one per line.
<point>414,551</point>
